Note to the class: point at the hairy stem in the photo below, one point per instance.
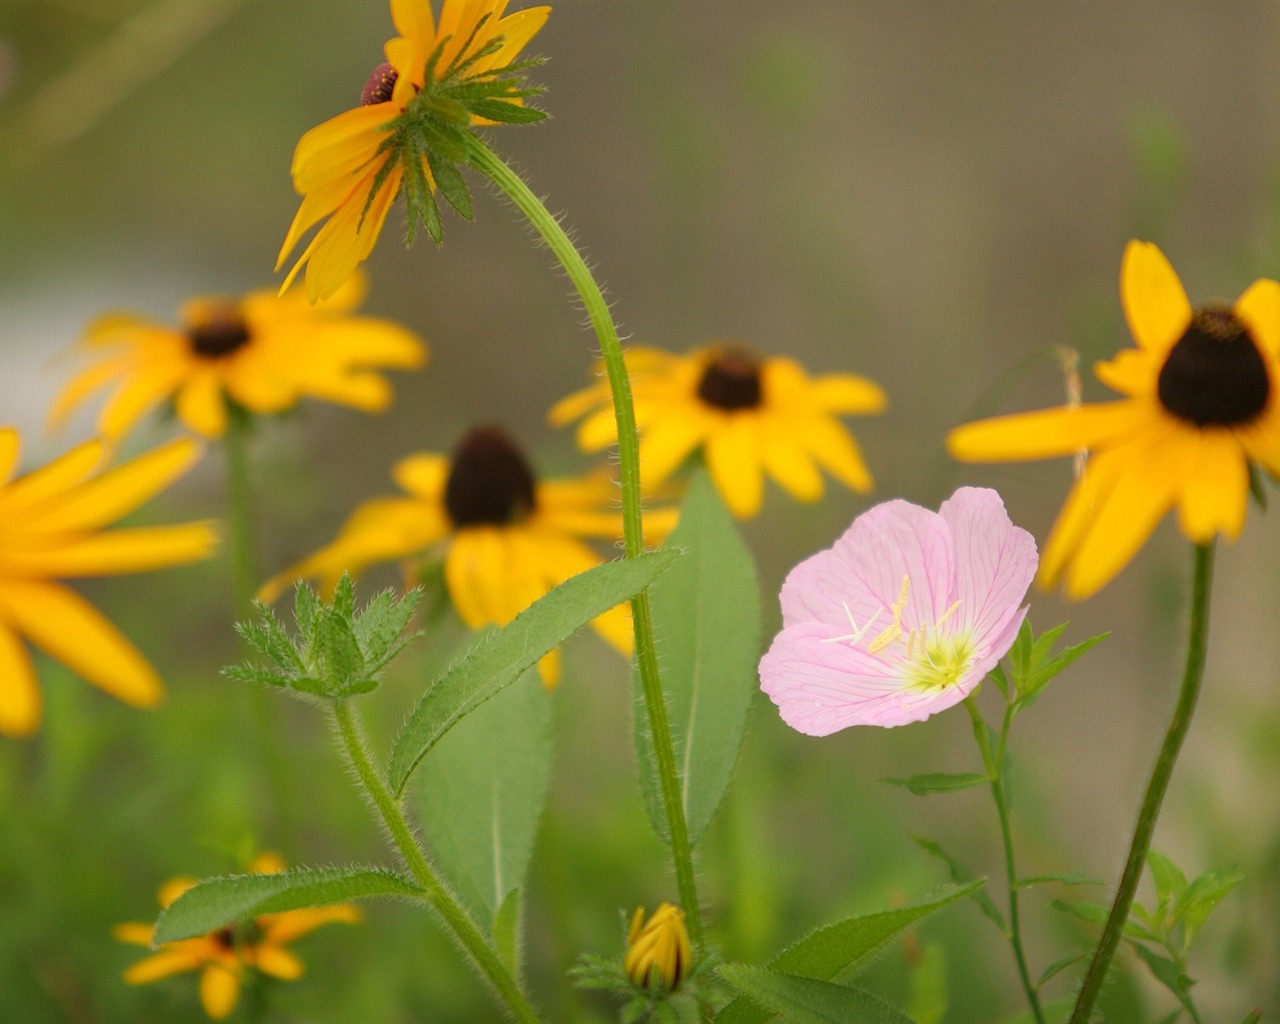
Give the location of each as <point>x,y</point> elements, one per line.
<point>1193,674</point>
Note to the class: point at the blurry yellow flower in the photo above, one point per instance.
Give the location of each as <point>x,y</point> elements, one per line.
<point>507,537</point>
<point>1200,404</point>
<point>222,957</point>
<point>264,352</point>
<point>51,524</point>
<point>658,953</point>
<point>347,168</point>
<point>749,416</point>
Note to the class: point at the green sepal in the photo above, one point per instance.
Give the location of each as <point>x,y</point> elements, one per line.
<point>217,902</point>
<point>452,186</point>
<point>499,658</point>
<point>940,782</point>
<point>810,1001</point>
<point>507,113</point>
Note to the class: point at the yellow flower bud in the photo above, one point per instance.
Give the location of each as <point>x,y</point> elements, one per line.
<point>658,953</point>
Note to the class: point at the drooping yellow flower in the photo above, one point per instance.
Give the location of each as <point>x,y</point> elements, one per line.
<point>347,170</point>
<point>506,537</point>
<point>1200,405</point>
<point>658,952</point>
<point>222,957</point>
<point>51,528</point>
<point>265,352</point>
<point>750,417</point>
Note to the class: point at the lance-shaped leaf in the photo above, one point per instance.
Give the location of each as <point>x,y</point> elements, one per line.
<point>809,1001</point>
<point>706,614</point>
<point>501,657</point>
<point>216,902</point>
<point>482,793</point>
<point>842,948</point>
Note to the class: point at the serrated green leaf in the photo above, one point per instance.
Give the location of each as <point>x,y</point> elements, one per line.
<point>306,610</point>
<point>501,657</point>
<point>267,637</point>
<point>344,598</point>
<point>380,627</point>
<point>961,875</point>
<point>216,902</point>
<point>334,649</point>
<point>940,782</point>
<point>843,948</point>
<point>253,674</point>
<point>706,610</point>
<point>481,793</point>
<point>810,1001</point>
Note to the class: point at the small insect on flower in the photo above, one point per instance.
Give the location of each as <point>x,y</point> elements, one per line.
<point>902,618</point>
<point>658,952</point>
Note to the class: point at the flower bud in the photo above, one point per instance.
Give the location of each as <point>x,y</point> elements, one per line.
<point>658,953</point>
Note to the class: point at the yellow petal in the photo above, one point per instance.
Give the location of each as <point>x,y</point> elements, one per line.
<point>1214,491</point>
<point>577,404</point>
<point>412,19</point>
<point>424,474</point>
<point>81,386</point>
<point>788,462</point>
<point>62,474</point>
<point>173,958</point>
<point>598,430</point>
<point>837,452</point>
<point>1154,300</point>
<point>132,550</point>
<point>201,404</point>
<point>847,394</point>
<point>667,443</point>
<point>1259,308</point>
<point>72,631</point>
<point>281,929</point>
<point>733,459</point>
<point>138,394</point>
<point>338,149</point>
<point>277,962</point>
<point>20,700</point>
<point>219,991</point>
<point>516,31</point>
<point>10,449</point>
<point>1046,433</point>
<point>479,575</point>
<point>1132,371</point>
<point>136,933</point>
<point>119,491</point>
<point>349,236</point>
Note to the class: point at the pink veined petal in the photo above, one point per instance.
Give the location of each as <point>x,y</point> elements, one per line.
<point>995,561</point>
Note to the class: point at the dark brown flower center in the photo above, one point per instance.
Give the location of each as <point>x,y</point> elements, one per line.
<point>731,380</point>
<point>1215,375</point>
<point>220,333</point>
<point>378,88</point>
<point>490,483</point>
<point>224,937</point>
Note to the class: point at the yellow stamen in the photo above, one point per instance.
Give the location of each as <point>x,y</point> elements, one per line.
<point>892,631</point>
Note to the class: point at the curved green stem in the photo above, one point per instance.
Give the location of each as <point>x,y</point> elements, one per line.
<point>513,186</point>
<point>456,919</point>
<point>1197,647</point>
<point>1014,933</point>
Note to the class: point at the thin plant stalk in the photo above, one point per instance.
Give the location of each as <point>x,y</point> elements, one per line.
<point>455,918</point>
<point>1193,675</point>
<point>514,188</point>
<point>1014,931</point>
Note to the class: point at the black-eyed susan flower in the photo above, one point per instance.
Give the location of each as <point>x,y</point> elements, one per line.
<point>265,352</point>
<point>658,953</point>
<point>749,417</point>
<point>1200,405</point>
<point>51,529</point>
<point>438,80</point>
<point>226,956</point>
<point>506,537</point>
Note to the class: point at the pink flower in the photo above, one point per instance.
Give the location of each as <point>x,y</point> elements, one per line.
<point>902,618</point>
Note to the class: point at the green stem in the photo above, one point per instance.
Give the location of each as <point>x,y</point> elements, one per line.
<point>456,919</point>
<point>1197,646</point>
<point>244,561</point>
<point>513,186</point>
<point>1014,933</point>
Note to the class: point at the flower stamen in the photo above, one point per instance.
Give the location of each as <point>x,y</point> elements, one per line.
<point>893,631</point>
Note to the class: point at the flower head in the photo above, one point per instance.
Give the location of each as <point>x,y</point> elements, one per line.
<point>264,352</point>
<point>1200,404</point>
<point>902,618</point>
<point>507,537</point>
<point>51,528</point>
<point>224,956</point>
<point>658,953</point>
<point>438,80</point>
<point>748,416</point>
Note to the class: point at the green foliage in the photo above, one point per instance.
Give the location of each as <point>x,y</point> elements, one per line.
<point>338,651</point>
<point>940,782</point>
<point>706,612</point>
<point>962,876</point>
<point>501,657</point>
<point>216,902</point>
<point>842,948</point>
<point>481,795</point>
<point>1033,662</point>
<point>808,1000</point>
<point>928,999</point>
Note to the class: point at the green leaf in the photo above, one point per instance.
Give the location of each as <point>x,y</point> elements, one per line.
<point>940,782</point>
<point>1045,670</point>
<point>506,932</point>
<point>1169,880</point>
<point>706,612</point>
<point>334,649</point>
<point>380,627</point>
<point>1169,974</point>
<point>1092,912</point>
<point>1064,878</point>
<point>1252,1017</point>
<point>1061,964</point>
<point>1202,895</point>
<point>452,185</point>
<point>808,1000</point>
<point>306,610</point>
<point>506,113</point>
<point>928,1001</point>
<point>267,637</point>
<point>216,902</point>
<point>481,791</point>
<point>843,948</point>
<point>961,875</point>
<point>501,657</point>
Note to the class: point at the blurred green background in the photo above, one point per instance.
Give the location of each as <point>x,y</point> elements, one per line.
<point>935,195</point>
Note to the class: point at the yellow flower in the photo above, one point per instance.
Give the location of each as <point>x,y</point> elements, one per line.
<point>347,169</point>
<point>265,352</point>
<point>658,953</point>
<point>507,537</point>
<point>222,956</point>
<point>51,524</point>
<point>1200,404</point>
<point>749,416</point>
